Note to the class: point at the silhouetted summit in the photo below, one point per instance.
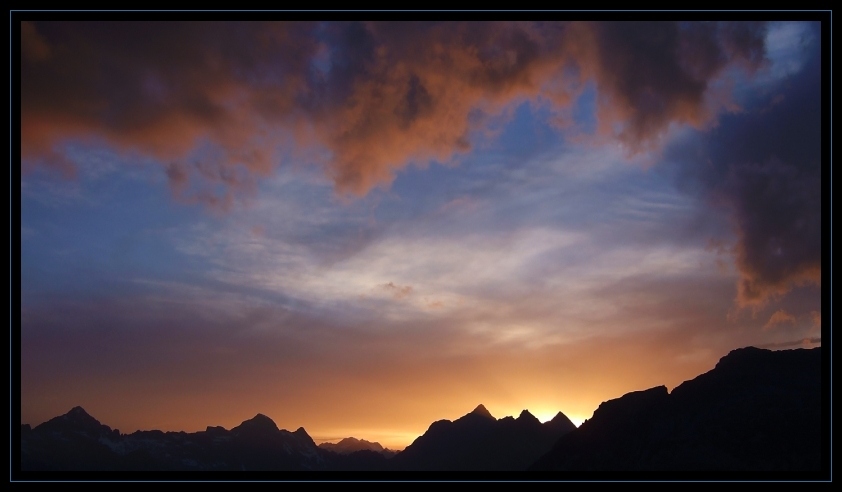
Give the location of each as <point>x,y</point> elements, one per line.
<point>77,441</point>
<point>482,411</point>
<point>525,416</point>
<point>78,412</point>
<point>756,410</point>
<point>303,437</point>
<point>77,419</point>
<point>259,424</point>
<point>561,422</point>
<point>479,442</point>
<point>351,444</point>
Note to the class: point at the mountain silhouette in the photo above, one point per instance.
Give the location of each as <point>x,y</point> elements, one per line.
<point>561,423</point>
<point>757,410</point>
<point>350,445</point>
<point>482,412</point>
<point>73,441</point>
<point>77,441</point>
<point>257,425</point>
<point>479,442</point>
<point>76,420</point>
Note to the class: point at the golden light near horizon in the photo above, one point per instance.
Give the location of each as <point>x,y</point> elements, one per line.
<point>363,237</point>
<point>394,440</point>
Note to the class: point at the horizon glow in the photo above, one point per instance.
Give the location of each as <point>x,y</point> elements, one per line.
<point>360,228</point>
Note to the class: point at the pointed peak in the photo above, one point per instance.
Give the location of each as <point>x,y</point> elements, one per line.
<point>303,437</point>
<point>562,419</point>
<point>525,415</point>
<point>481,410</point>
<point>77,412</point>
<point>78,419</point>
<point>79,415</point>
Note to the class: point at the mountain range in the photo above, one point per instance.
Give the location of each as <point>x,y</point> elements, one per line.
<point>757,410</point>
<point>479,442</point>
<point>351,445</point>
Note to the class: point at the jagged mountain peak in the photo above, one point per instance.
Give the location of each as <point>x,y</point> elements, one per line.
<point>300,432</point>
<point>772,397</point>
<point>352,444</point>
<point>78,414</point>
<point>77,419</point>
<point>482,411</point>
<point>78,411</point>
<point>525,416</point>
<point>561,421</point>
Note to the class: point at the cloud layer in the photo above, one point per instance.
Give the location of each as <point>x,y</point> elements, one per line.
<point>764,166</point>
<point>549,268</point>
<point>220,104</point>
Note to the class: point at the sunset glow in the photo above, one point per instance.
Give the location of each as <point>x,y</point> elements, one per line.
<point>360,228</point>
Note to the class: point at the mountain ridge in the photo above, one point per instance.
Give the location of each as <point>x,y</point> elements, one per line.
<point>755,410</point>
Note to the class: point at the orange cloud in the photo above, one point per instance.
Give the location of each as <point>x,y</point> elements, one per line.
<point>816,318</point>
<point>224,101</point>
<point>183,93</point>
<point>779,317</point>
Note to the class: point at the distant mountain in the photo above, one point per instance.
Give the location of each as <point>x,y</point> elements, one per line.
<point>350,445</point>
<point>479,442</point>
<point>757,410</point>
<point>73,441</point>
<point>77,441</point>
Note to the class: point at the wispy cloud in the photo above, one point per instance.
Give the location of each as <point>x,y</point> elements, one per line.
<point>418,217</point>
<point>779,317</point>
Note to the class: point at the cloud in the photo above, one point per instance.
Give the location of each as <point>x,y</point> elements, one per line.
<point>397,291</point>
<point>180,357</point>
<point>764,166</point>
<point>780,317</point>
<point>816,319</point>
<point>223,103</point>
<point>189,93</point>
<point>805,342</point>
<point>653,75</point>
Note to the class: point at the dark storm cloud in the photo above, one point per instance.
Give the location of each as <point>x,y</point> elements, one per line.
<point>227,100</point>
<point>165,89</point>
<point>765,166</point>
<point>653,74</point>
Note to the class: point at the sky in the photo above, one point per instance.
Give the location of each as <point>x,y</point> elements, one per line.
<point>364,227</point>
